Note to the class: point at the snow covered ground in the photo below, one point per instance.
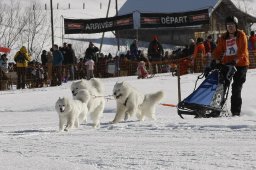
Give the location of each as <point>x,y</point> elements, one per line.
<point>29,137</point>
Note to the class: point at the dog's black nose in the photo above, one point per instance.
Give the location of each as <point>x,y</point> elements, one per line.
<point>73,91</point>
<point>114,93</point>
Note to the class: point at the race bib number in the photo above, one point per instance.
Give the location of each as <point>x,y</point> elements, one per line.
<point>231,47</point>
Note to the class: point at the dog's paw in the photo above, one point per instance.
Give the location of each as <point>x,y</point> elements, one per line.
<point>96,126</point>
<point>113,122</point>
<point>126,117</point>
<point>66,130</point>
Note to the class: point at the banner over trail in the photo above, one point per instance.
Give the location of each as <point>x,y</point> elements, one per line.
<point>192,18</point>
<point>81,26</point>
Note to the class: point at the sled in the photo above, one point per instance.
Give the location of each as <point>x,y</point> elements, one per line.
<point>209,98</point>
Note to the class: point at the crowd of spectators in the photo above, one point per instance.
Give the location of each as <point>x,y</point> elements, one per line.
<point>60,64</point>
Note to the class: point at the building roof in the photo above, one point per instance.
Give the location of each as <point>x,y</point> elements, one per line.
<point>236,11</point>
<point>165,6</point>
<point>173,6</point>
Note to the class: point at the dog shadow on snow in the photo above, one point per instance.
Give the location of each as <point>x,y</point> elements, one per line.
<point>109,123</point>
<point>29,132</point>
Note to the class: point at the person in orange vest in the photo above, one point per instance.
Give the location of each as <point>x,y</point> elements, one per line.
<point>199,55</point>
<point>232,48</point>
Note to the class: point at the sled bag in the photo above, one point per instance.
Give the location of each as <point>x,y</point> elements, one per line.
<point>206,92</point>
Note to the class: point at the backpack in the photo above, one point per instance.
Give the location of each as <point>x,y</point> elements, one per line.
<point>20,58</point>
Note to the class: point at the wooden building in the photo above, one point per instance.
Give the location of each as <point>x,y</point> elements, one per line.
<point>218,10</point>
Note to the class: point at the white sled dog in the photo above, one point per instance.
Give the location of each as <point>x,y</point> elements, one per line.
<point>71,112</point>
<point>129,101</point>
<point>96,101</point>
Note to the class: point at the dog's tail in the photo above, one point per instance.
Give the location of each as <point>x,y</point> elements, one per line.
<point>98,85</point>
<point>153,98</point>
<point>83,95</point>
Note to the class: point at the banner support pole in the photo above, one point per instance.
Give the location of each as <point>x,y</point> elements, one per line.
<point>52,24</point>
<point>178,77</point>
<point>117,32</point>
<point>103,34</point>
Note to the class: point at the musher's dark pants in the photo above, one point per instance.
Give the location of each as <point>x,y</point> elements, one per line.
<point>237,85</point>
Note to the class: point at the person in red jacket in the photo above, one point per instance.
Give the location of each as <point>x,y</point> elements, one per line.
<point>252,48</point>
<point>232,48</point>
<point>252,41</point>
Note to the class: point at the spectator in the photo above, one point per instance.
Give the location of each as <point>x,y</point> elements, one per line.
<point>166,56</point>
<point>44,58</point>
<point>155,50</point>
<point>81,69</point>
<point>117,65</point>
<point>232,48</point>
<point>71,58</point>
<point>21,58</point>
<point>209,47</point>
<point>90,68</point>
<point>4,63</point>
<point>191,47</point>
<point>199,56</point>
<point>64,51</point>
<point>141,70</point>
<point>49,65</point>
<point>57,66</point>
<point>90,52</point>
<point>3,71</point>
<point>134,51</point>
<point>252,41</point>
<point>144,58</point>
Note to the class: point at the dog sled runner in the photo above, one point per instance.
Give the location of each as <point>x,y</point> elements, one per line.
<point>209,98</point>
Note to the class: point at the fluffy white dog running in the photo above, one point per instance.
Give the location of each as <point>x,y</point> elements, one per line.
<point>130,101</point>
<point>96,101</point>
<point>72,112</point>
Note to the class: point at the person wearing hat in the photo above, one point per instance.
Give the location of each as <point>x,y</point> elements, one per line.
<point>232,48</point>
<point>22,58</point>
<point>90,52</point>
<point>155,50</point>
<point>141,70</point>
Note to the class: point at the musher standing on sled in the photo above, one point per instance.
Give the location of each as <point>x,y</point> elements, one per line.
<point>232,48</point>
